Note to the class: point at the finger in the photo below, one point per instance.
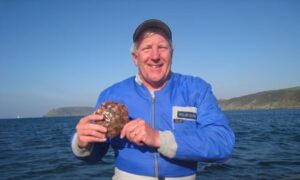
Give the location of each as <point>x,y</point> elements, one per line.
<point>138,139</point>
<point>84,141</point>
<point>94,133</point>
<point>127,128</point>
<point>91,130</point>
<point>138,128</point>
<point>90,118</point>
<point>128,134</point>
<point>90,133</point>
<point>84,129</point>
<point>131,134</point>
<point>123,132</point>
<point>97,127</point>
<point>132,131</point>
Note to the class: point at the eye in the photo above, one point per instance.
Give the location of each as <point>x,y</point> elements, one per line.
<point>146,48</point>
<point>163,47</point>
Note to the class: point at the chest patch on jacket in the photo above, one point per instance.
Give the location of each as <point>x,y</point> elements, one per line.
<point>181,113</point>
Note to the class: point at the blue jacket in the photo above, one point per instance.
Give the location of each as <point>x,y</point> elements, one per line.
<point>187,108</point>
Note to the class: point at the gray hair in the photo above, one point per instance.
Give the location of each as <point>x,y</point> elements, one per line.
<point>148,33</point>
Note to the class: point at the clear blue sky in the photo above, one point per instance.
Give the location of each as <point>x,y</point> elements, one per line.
<point>56,53</point>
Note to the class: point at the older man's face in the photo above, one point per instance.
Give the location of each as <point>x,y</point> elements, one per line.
<point>153,59</point>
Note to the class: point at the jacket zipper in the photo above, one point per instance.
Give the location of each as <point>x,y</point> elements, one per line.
<point>153,125</point>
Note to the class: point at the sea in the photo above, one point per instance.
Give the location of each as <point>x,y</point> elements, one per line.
<point>267,147</point>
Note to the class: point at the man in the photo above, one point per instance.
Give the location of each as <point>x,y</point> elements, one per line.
<point>175,119</point>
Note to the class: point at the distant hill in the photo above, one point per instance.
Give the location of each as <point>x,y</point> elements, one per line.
<point>275,99</point>
<point>69,111</point>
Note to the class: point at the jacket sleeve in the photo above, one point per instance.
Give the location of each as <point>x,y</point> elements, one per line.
<point>97,150</point>
<point>210,139</point>
<point>92,154</point>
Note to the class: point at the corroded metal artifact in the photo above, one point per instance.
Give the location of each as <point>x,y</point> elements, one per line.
<point>115,116</point>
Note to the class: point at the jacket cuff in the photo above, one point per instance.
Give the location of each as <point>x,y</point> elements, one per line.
<point>80,152</point>
<point>168,145</point>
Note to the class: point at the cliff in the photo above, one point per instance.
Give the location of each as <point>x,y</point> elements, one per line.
<point>284,98</point>
<point>69,111</point>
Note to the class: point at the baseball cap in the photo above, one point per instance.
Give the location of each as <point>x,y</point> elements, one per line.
<point>152,23</point>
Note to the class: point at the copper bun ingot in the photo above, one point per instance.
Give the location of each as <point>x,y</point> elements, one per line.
<point>115,116</point>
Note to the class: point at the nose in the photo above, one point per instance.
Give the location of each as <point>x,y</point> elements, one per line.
<point>155,53</point>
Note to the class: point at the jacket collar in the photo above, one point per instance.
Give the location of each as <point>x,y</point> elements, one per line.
<point>157,93</point>
<point>138,79</point>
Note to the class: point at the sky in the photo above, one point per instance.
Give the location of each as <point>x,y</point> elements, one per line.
<point>57,53</point>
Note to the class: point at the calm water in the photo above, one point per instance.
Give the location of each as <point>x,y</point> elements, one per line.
<point>267,147</point>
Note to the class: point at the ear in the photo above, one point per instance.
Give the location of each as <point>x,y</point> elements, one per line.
<point>134,58</point>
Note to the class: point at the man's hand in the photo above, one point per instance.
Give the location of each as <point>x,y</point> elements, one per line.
<point>89,132</point>
<point>140,133</point>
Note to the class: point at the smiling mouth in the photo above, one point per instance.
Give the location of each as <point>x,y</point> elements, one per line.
<point>155,66</point>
